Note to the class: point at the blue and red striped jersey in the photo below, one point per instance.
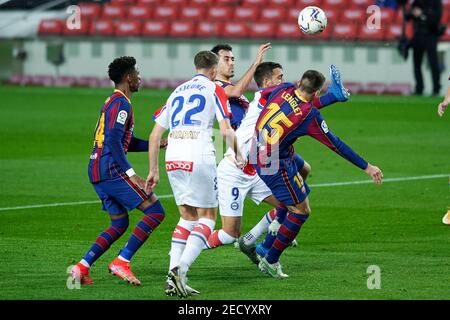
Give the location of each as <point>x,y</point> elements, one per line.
<point>238,106</point>
<point>112,139</point>
<point>285,117</point>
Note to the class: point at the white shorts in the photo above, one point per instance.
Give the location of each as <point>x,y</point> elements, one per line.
<point>234,186</point>
<point>193,185</point>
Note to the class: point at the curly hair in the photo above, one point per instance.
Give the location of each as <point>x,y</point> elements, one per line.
<point>120,67</point>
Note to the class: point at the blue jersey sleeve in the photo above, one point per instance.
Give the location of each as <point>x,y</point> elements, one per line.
<point>117,119</point>
<point>319,130</point>
<point>137,145</point>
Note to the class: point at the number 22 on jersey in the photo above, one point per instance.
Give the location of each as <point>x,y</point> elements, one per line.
<point>186,118</point>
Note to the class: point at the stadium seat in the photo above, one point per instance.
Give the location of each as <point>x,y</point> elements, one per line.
<point>90,10</point>
<point>128,28</point>
<point>149,3</point>
<point>288,30</point>
<point>307,3</point>
<point>262,30</point>
<point>353,87</point>
<point>273,14</point>
<point>140,12</point>
<point>166,12</point>
<point>282,3</point>
<point>357,16</point>
<point>345,31</point>
<point>192,13</point>
<point>102,27</point>
<point>155,29</point>
<point>445,17</point>
<point>178,3</point>
<point>336,4</point>
<point>292,14</point>
<point>51,27</point>
<point>124,2</point>
<point>255,3</point>
<point>220,13</point>
<point>113,12</point>
<point>203,3</point>
<point>233,29</point>
<point>64,81</point>
<point>360,4</point>
<point>446,4</point>
<point>393,32</point>
<point>246,14</point>
<point>182,29</point>
<point>333,15</point>
<point>446,36</point>
<point>82,31</point>
<point>373,88</point>
<point>227,2</point>
<point>208,29</point>
<point>366,34</point>
<point>387,16</point>
<point>404,89</point>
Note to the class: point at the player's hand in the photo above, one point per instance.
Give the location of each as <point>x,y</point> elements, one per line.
<point>138,181</point>
<point>375,173</point>
<point>441,107</point>
<point>261,51</point>
<point>163,144</point>
<point>152,181</point>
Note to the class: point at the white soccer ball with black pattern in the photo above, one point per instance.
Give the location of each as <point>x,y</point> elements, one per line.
<point>312,20</point>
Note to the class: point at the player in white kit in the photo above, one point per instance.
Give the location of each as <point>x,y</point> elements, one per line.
<point>189,114</point>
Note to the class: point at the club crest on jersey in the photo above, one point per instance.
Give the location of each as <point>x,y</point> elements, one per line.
<point>234,206</point>
<point>324,126</point>
<point>122,117</point>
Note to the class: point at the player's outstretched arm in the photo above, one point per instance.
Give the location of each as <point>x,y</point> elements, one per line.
<point>444,104</point>
<point>153,155</point>
<point>375,173</point>
<point>230,138</point>
<point>238,89</point>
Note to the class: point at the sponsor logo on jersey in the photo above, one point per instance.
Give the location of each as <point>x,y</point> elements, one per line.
<point>122,117</point>
<point>179,165</point>
<point>184,134</point>
<point>324,126</point>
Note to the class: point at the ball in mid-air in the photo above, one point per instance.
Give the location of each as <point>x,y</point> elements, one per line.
<point>312,20</point>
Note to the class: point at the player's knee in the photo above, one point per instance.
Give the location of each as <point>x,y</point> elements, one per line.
<point>121,224</point>
<point>156,210</point>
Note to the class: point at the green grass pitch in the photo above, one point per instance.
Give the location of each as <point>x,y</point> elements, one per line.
<point>46,138</point>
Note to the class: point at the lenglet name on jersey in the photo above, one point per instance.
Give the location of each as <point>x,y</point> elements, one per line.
<point>293,102</point>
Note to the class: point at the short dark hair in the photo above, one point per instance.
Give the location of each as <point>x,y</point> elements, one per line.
<point>311,81</point>
<point>265,70</point>
<point>205,60</point>
<point>121,67</point>
<point>219,47</point>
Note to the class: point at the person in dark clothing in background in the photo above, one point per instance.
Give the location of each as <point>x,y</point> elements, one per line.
<point>426,16</point>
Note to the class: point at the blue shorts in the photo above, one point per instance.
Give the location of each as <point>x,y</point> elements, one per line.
<point>287,184</point>
<point>119,194</point>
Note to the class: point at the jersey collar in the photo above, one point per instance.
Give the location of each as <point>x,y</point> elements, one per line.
<point>117,90</point>
<point>299,96</point>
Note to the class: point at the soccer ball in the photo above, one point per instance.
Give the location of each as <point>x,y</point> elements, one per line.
<point>312,20</point>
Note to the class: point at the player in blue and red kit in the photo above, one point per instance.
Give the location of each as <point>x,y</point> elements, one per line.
<point>287,115</point>
<point>119,188</point>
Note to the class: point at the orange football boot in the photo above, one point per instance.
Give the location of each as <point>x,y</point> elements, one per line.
<point>81,273</point>
<point>121,269</point>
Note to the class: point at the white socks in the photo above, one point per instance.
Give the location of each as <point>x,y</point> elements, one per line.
<point>179,238</point>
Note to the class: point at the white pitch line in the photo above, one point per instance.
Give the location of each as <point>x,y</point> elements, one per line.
<point>165,196</point>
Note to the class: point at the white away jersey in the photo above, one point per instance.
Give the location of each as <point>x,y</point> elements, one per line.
<point>189,114</point>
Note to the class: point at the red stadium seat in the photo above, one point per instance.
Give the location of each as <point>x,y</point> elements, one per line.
<point>387,16</point>
<point>113,12</point>
<point>393,32</point>
<point>155,29</point>
<point>357,16</point>
<point>292,14</point>
<point>282,3</point>
<point>207,29</point>
<point>262,30</point>
<point>246,14</point>
<point>139,12</point>
<point>235,30</point>
<point>102,27</point>
<point>339,4</point>
<point>273,14</point>
<point>333,15</point>
<point>182,29</point>
<point>374,88</point>
<point>124,2</point>
<point>347,31</point>
<point>288,30</point>
<point>128,28</point>
<point>307,3</point>
<point>82,31</point>
<point>227,2</point>
<point>255,3</point>
<point>446,4</point>
<point>446,36</point>
<point>203,3</point>
<point>371,34</point>
<point>51,27</point>
<point>220,13</point>
<point>446,17</point>
<point>166,12</point>
<point>179,3</point>
<point>192,13</point>
<point>360,4</point>
<point>152,3</point>
<point>90,10</point>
